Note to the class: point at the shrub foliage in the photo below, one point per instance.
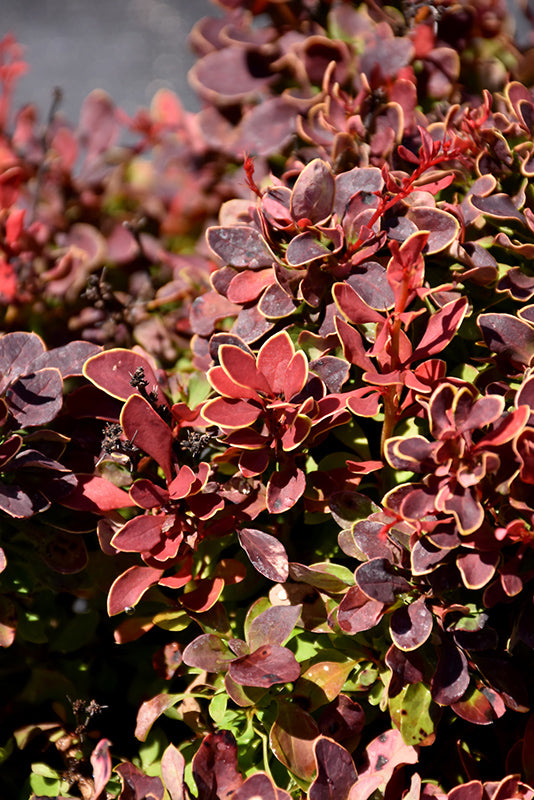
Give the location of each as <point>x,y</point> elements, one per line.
<point>267,417</point>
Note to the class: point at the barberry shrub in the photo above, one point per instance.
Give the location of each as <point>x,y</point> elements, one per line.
<point>267,417</point>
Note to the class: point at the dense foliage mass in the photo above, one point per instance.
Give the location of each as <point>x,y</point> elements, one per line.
<point>267,417</point>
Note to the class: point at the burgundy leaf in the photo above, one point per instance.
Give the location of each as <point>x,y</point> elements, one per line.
<point>207,310</point>
<point>342,719</point>
<point>477,569</point>
<point>267,554</point>
<point>266,666</point>
<point>267,128</point>
<point>150,710</point>
<point>406,668</point>
<point>208,652</point>
<point>304,249</point>
<point>443,227</point>
<point>411,625</point>
<point>475,707</point>
<point>336,773</point>
<point>273,626</point>
<point>508,337</point>
<point>139,534</point>
<point>256,786</point>
<point>215,768</point>
<point>357,612</point>
<point>138,786</point>
<point>69,359</point>
<point>143,425</point>
<point>473,790</point>
<point>292,737</point>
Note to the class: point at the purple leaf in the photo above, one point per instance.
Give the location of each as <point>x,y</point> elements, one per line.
<point>266,666</point>
<point>256,786</point>
<point>313,195</point>
<point>69,359</point>
<point>37,398</point>
<point>273,626</point>
<point>451,677</point>
<point>240,246</point>
<point>508,337</point>
<point>411,625</point>
<point>18,351</point>
<point>336,773</point>
<point>343,719</point>
<point>267,554</point>
<point>378,581</point>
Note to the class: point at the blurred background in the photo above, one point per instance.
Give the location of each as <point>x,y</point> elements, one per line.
<point>130,48</point>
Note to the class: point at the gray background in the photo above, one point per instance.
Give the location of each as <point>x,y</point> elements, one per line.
<point>130,48</point>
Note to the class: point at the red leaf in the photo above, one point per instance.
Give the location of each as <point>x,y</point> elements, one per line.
<point>143,425</point>
<point>267,554</point>
<point>357,612</point>
<point>241,368</point>
<point>96,495</point>
<point>284,489</point>
<point>205,596</point>
<point>266,666</point>
<point>113,369</point>
<point>229,413</point>
<point>140,534</point>
<point>128,588</point>
<point>441,328</point>
<point>273,360</point>
<point>101,763</point>
<point>8,282</point>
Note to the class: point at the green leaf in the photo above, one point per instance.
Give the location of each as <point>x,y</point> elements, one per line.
<point>415,714</point>
<point>217,708</point>
<point>176,620</point>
